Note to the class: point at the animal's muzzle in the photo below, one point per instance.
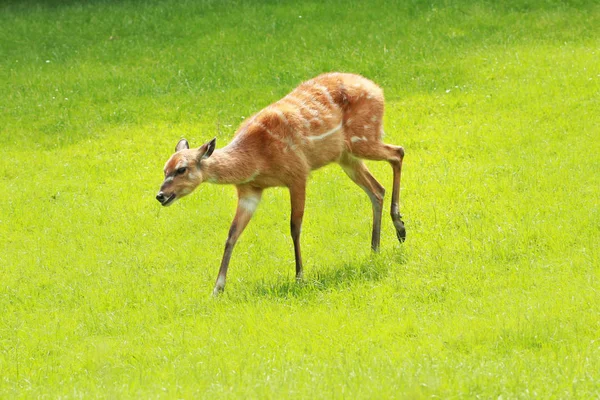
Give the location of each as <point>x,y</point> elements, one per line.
<point>163,199</point>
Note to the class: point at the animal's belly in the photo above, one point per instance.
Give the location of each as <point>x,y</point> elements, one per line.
<point>325,151</point>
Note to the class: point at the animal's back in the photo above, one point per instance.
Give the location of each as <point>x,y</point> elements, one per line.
<point>320,119</point>
<point>319,105</point>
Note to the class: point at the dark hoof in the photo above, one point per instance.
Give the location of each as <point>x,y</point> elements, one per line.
<point>218,290</point>
<point>400,230</point>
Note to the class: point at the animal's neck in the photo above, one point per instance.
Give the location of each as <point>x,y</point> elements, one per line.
<point>229,166</point>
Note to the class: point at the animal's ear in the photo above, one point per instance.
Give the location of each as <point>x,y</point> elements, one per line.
<point>207,149</point>
<point>182,145</point>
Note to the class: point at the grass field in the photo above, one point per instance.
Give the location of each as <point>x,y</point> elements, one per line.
<point>495,293</point>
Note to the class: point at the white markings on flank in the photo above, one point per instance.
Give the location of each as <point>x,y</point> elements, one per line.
<point>285,140</point>
<point>355,139</point>
<point>317,120</point>
<point>317,102</point>
<point>262,126</point>
<point>290,143</point>
<point>328,133</point>
<point>294,100</point>
<point>327,94</point>
<point>301,105</point>
<point>280,114</point>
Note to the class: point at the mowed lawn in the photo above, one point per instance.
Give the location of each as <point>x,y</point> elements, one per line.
<point>495,293</point>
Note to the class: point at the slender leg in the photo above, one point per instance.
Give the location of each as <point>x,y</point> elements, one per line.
<point>297,198</point>
<point>394,155</point>
<point>248,199</point>
<point>394,211</point>
<point>358,172</point>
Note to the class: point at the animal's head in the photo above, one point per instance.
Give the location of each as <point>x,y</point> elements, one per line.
<point>183,171</point>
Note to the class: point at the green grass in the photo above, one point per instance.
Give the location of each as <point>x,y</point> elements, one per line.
<point>495,292</point>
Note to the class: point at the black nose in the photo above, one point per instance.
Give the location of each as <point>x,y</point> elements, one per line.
<point>160,197</point>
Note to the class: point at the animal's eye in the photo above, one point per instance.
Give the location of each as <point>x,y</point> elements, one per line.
<point>181,170</point>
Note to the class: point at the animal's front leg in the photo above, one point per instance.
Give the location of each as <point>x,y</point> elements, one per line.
<point>248,199</point>
<point>297,198</point>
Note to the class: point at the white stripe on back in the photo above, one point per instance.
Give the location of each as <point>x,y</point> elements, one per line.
<point>327,94</point>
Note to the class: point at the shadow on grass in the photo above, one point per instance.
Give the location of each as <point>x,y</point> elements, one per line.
<point>372,268</point>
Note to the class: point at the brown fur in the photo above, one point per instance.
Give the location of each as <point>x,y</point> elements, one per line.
<point>334,117</point>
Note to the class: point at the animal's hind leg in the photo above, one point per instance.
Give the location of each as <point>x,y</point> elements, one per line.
<point>358,172</point>
<point>375,150</point>
<point>395,210</point>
